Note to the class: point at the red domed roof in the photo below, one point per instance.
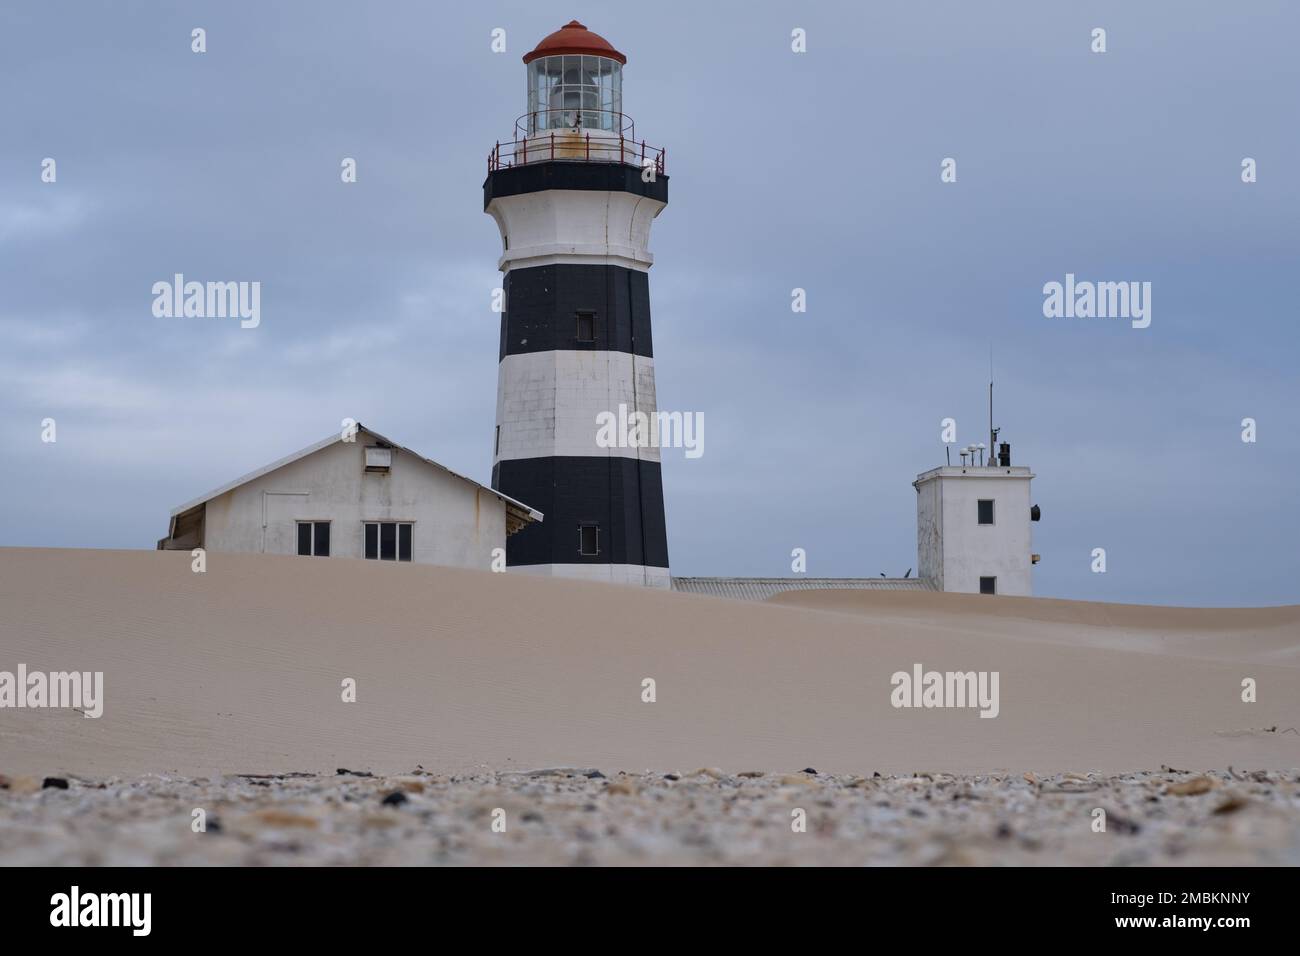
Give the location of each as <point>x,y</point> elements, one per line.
<point>573,37</point>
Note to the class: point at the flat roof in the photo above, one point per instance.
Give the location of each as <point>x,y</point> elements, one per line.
<point>760,589</point>
<point>975,471</point>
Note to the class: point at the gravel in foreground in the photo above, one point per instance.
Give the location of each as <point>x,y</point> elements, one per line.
<point>575,816</point>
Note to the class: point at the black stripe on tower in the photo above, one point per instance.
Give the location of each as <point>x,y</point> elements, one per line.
<point>543,302</point>
<point>623,496</point>
<point>587,177</point>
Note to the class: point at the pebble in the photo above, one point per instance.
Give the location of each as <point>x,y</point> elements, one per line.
<point>713,772</point>
<point>1189,788</point>
<point>23,785</point>
<point>649,819</point>
<point>275,817</point>
<point>1231,805</point>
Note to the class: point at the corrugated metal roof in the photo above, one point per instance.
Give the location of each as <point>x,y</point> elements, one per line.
<point>760,589</point>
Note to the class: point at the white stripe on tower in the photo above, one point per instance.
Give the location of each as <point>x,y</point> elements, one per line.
<point>572,389</point>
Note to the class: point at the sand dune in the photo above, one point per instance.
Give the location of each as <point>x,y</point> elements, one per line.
<point>238,670</point>
<point>1267,634</point>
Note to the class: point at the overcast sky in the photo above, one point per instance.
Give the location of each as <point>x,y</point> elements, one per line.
<point>818,170</point>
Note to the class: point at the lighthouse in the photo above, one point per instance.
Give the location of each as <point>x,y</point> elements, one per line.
<point>574,193</point>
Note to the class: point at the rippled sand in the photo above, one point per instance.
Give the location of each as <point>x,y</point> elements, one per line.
<point>572,816</point>
<point>240,668</point>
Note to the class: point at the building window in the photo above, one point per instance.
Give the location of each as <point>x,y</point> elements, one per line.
<point>589,538</point>
<point>986,510</point>
<point>388,540</point>
<point>496,449</point>
<point>314,538</point>
<point>586,326</point>
<point>988,585</point>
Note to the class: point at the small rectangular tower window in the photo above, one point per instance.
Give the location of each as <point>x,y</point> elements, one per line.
<point>589,538</point>
<point>988,585</point>
<point>986,510</point>
<point>586,326</point>
<point>314,538</point>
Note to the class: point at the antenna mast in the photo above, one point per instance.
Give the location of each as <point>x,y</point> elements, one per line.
<point>992,439</point>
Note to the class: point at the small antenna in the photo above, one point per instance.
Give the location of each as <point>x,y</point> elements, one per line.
<point>993,439</point>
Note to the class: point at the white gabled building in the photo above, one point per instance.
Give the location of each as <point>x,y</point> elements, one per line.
<point>367,497</point>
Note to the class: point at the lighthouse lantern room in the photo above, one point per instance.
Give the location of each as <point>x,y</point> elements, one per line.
<point>575,107</point>
<point>569,90</point>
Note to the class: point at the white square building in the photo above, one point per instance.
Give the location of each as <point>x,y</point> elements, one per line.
<point>972,529</point>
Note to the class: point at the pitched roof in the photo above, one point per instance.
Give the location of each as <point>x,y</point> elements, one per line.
<point>525,512</point>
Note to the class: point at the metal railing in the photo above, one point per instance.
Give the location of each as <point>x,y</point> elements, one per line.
<point>561,118</point>
<point>576,143</point>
